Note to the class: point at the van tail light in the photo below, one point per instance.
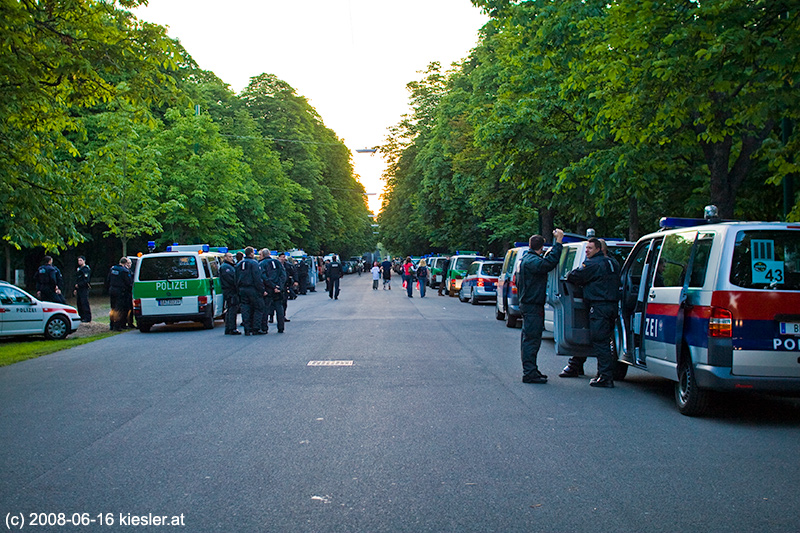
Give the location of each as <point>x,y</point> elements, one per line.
<point>202,302</point>
<point>721,323</point>
<point>480,282</point>
<point>514,284</point>
<point>137,307</point>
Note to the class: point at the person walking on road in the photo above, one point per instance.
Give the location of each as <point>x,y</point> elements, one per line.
<point>386,269</point>
<point>408,276</point>
<point>599,277</point>
<point>422,276</point>
<point>532,287</point>
<point>333,272</point>
<point>376,275</point>
<point>230,293</point>
<point>120,287</point>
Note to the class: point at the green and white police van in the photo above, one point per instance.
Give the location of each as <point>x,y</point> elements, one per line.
<point>179,285</point>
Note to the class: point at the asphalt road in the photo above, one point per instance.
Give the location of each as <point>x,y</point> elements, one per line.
<point>429,429</point>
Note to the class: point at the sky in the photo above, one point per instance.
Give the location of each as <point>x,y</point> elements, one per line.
<point>351,59</point>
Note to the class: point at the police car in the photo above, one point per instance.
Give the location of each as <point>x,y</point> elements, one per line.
<point>22,314</point>
<point>178,285</point>
<point>713,306</point>
<point>456,269</point>
<point>480,282</point>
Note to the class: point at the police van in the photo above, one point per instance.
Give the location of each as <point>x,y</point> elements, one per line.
<point>456,269</point>
<point>181,284</point>
<point>713,306</point>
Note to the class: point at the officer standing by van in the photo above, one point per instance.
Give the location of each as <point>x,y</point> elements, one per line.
<point>532,290</point>
<point>230,293</point>
<point>251,293</point>
<point>599,277</point>
<point>82,286</point>
<point>120,287</point>
<point>302,275</point>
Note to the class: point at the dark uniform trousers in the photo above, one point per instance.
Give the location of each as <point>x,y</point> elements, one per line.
<point>252,308</point>
<point>275,306</point>
<point>231,310</point>
<point>601,328</point>
<point>84,310</point>
<point>532,328</point>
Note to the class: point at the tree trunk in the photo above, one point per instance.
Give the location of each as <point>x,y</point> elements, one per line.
<point>548,222</point>
<point>633,219</point>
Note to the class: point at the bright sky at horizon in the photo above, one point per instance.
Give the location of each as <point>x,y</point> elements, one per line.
<point>351,59</point>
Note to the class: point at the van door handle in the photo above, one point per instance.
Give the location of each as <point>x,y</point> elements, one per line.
<point>653,294</point>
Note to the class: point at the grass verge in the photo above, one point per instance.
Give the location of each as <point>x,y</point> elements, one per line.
<point>13,352</point>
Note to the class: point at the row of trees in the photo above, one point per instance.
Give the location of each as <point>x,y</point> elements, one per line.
<point>109,130</point>
<point>597,113</point>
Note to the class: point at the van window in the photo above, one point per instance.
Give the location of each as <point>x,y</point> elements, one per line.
<point>566,261</point>
<point>462,263</point>
<point>473,269</point>
<point>168,267</point>
<point>766,259</point>
<point>702,251</point>
<point>674,259</point>
<point>510,260</point>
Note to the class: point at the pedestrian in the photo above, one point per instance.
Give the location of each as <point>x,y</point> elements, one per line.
<point>274,276</point>
<point>324,274</point>
<point>120,288</point>
<point>445,266</point>
<point>532,290</point>
<point>49,282</point>
<point>408,276</point>
<point>422,276</point>
<point>230,293</point>
<point>251,293</point>
<point>82,287</point>
<point>333,272</point>
<point>376,275</point>
<point>599,277</point>
<point>386,270</point>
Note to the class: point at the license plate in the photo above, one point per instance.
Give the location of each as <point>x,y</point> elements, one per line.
<point>171,301</point>
<point>790,328</point>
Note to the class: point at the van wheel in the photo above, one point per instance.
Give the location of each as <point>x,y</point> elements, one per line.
<point>460,299</point>
<point>208,322</point>
<point>473,299</point>
<point>620,369</point>
<point>511,321</point>
<point>499,315</point>
<point>144,327</point>
<point>57,328</point>
<point>691,400</point>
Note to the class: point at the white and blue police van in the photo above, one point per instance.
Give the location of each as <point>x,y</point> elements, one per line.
<point>713,306</point>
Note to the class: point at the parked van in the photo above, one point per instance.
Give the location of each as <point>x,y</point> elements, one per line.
<point>457,269</point>
<point>176,287</point>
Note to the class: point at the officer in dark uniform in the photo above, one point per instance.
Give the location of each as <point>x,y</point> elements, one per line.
<point>49,282</point>
<point>302,276</point>
<point>333,273</point>
<point>82,286</point>
<point>291,284</point>
<point>599,277</point>
<point>274,277</point>
<point>532,290</point>
<point>120,287</point>
<point>251,293</point>
<point>230,293</point>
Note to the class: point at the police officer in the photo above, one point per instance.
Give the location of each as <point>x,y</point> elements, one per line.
<point>251,293</point>
<point>49,282</point>
<point>599,277</point>
<point>302,276</point>
<point>120,287</point>
<point>274,276</point>
<point>333,273</point>
<point>532,290</point>
<point>230,293</point>
<point>81,291</point>
<point>289,292</point>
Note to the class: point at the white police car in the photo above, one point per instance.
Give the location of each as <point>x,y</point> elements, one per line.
<point>22,314</point>
<point>714,307</point>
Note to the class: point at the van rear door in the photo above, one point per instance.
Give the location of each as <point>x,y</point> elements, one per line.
<point>570,312</point>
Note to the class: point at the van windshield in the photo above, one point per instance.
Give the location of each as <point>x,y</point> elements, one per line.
<point>170,267</point>
<point>766,259</point>
<point>463,263</point>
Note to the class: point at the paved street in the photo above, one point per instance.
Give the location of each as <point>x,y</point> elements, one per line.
<point>430,429</point>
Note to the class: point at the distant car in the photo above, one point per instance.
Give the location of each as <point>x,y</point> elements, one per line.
<point>22,314</point>
<point>480,283</point>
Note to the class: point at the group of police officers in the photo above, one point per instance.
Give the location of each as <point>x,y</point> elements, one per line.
<point>260,289</point>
